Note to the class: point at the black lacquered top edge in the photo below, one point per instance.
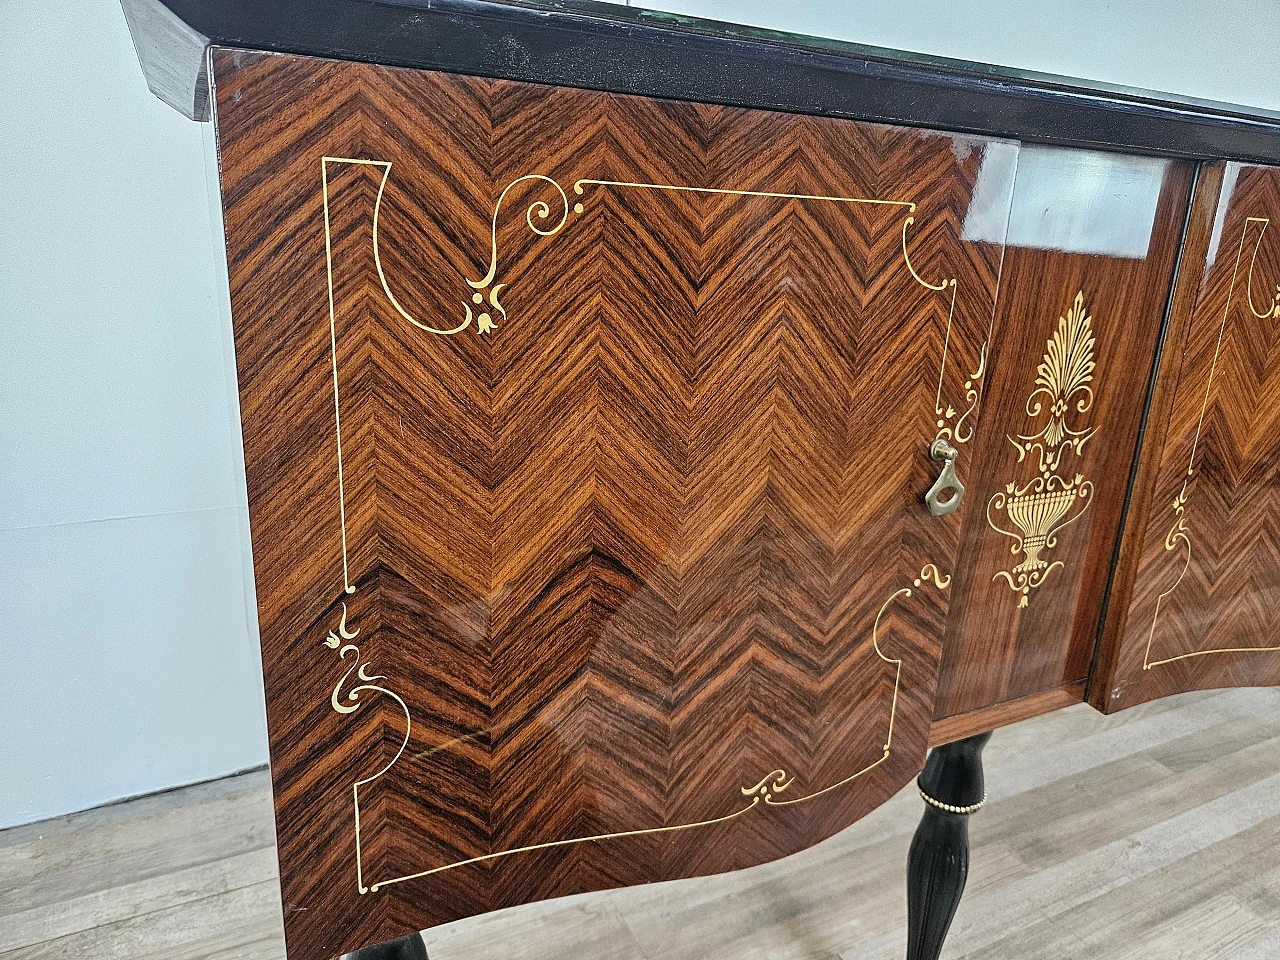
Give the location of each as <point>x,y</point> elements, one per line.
<point>600,46</point>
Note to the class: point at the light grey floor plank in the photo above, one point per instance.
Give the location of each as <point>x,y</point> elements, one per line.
<point>134,810</point>
<point>589,927</point>
<point>101,908</point>
<point>985,916</point>
<point>1199,902</point>
<point>110,848</point>
<point>1050,824</point>
<point>1263,947</point>
<point>237,923</point>
<point>1153,833</point>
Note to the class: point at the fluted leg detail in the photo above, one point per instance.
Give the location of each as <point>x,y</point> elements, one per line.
<point>938,863</point>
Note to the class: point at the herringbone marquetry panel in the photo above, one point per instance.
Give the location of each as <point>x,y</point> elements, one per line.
<point>1203,611</point>
<point>586,438</point>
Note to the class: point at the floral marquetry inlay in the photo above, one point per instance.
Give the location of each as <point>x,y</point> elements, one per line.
<point>1040,506</point>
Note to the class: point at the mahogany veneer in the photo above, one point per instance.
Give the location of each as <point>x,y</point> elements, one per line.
<point>587,439</point>
<point>996,715</point>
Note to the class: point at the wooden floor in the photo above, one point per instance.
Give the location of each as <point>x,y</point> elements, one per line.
<point>1151,834</point>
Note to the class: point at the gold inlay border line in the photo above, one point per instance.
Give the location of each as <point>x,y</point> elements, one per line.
<point>1180,532</point>
<point>767,792</point>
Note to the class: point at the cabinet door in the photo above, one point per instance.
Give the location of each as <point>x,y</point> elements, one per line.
<point>586,440</point>
<point>1090,251</point>
<point>1194,597</point>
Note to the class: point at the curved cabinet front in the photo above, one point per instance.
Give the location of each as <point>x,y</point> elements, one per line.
<point>1200,549</point>
<point>587,438</point>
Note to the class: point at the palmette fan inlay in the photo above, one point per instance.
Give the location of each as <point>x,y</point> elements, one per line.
<point>1038,508</point>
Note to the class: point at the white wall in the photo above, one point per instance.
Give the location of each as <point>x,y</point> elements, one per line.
<point>127,633</point>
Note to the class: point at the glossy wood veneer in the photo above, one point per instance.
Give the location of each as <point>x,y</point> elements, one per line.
<point>950,729</point>
<point>633,562</point>
<point>1070,403</point>
<point>1197,573</point>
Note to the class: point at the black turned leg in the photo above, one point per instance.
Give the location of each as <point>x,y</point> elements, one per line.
<point>938,864</point>
<point>406,948</point>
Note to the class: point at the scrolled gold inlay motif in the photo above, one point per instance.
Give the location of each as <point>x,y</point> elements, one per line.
<point>547,218</point>
<point>772,789</point>
<point>1043,505</point>
<point>347,702</point>
<point>768,791</point>
<point>1062,383</point>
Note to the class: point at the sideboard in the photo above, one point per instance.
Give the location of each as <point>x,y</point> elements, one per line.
<point>660,434</point>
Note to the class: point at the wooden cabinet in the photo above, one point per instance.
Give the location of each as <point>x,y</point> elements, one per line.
<point>588,434</point>
<point>586,439</point>
<point>1198,574</point>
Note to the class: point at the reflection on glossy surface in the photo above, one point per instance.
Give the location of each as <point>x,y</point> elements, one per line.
<point>1202,609</point>
<point>1072,201</point>
<point>987,216</point>
<point>1086,230</point>
<point>647,565</point>
<point>1230,176</point>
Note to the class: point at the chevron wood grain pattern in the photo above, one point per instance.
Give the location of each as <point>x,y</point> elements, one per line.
<point>1004,645</point>
<point>627,578</point>
<point>1202,557</point>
